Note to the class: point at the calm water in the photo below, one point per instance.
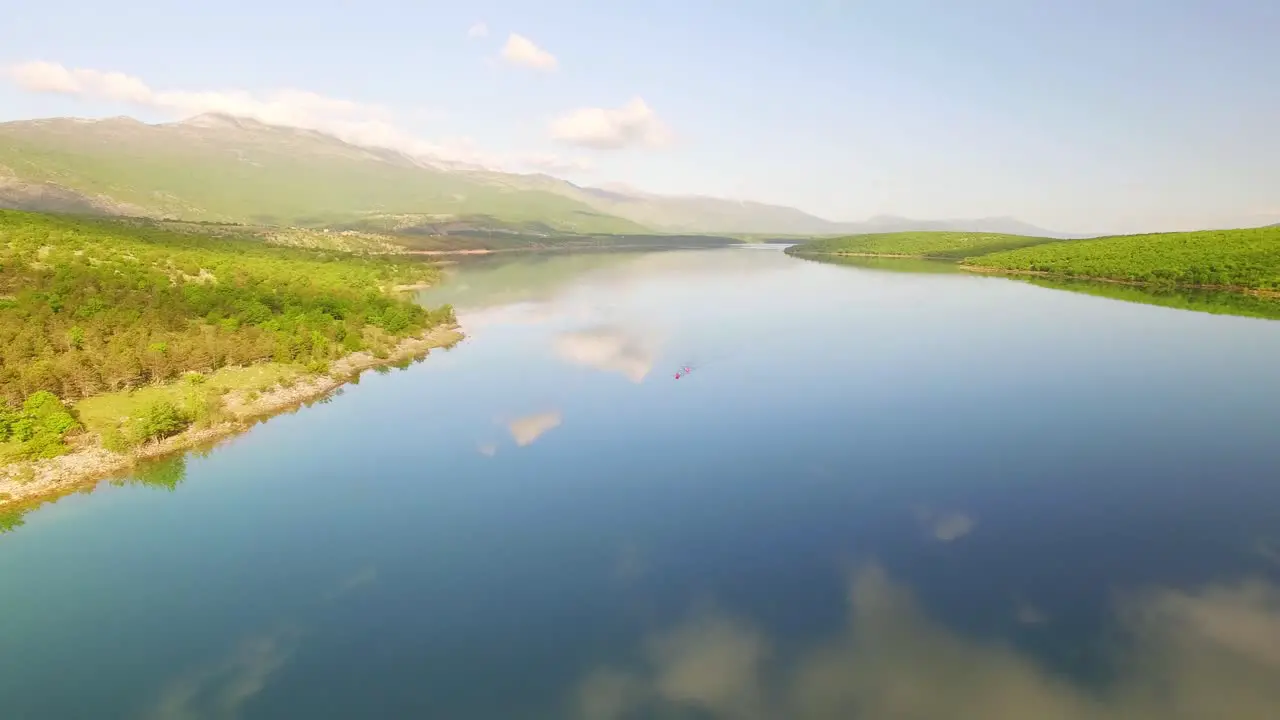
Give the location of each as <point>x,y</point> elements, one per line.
<point>878,495</point>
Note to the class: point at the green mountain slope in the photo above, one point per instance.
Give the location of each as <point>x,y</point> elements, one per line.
<point>230,169</point>
<point>226,169</point>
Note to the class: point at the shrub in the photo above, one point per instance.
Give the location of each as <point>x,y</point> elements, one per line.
<point>159,420</point>
<point>39,428</point>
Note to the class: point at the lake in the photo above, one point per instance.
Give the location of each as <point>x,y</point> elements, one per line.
<point>877,494</point>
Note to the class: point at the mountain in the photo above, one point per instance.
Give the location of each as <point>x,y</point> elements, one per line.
<point>701,214</point>
<point>221,168</point>
<point>693,213</point>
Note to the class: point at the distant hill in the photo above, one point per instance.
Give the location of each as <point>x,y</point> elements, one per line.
<point>220,168</point>
<point>226,169</point>
<point>694,213</point>
<point>702,214</point>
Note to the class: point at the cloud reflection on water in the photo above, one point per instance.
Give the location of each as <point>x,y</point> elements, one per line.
<point>1269,551</point>
<point>524,313</point>
<point>610,349</point>
<point>524,430</point>
<point>946,526</point>
<point>220,690</point>
<point>1209,653</point>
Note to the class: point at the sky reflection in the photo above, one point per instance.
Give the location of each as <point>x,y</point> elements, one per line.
<point>1207,652</point>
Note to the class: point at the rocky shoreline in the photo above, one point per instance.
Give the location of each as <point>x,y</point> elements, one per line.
<point>88,462</point>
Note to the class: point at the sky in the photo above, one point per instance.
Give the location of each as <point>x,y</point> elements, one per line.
<point>1076,115</point>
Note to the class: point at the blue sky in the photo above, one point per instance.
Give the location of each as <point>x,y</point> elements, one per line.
<point>1081,115</point>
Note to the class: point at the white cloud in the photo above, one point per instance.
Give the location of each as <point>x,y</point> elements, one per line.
<point>520,50</point>
<point>367,124</point>
<point>479,30</point>
<point>298,108</point>
<point>633,124</point>
<point>527,429</point>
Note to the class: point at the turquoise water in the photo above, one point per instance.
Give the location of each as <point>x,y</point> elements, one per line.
<point>878,495</point>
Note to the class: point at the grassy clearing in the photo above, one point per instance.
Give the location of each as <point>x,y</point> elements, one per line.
<point>114,416</point>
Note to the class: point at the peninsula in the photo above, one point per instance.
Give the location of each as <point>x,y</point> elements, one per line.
<point>1242,260</point>
<point>122,339</point>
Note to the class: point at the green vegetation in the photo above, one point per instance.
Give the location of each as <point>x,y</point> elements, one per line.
<point>113,313</point>
<point>940,245</point>
<point>1232,259</point>
<point>1207,301</point>
<point>35,430</point>
<point>165,473</point>
<point>128,418</point>
<point>1169,269</point>
<point>888,264</point>
<point>1237,259</point>
<point>11,518</point>
<point>226,169</point>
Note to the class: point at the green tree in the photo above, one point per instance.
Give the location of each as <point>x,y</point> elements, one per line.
<point>159,420</point>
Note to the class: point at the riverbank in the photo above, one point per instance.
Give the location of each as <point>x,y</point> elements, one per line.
<point>922,245</point>
<point>1256,292</point>
<point>894,256</point>
<point>88,462</point>
<point>1240,261</point>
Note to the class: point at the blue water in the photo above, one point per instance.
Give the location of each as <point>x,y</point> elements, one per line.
<point>878,495</point>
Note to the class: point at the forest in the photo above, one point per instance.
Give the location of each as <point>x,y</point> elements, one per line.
<point>90,306</point>
<point>1243,259</point>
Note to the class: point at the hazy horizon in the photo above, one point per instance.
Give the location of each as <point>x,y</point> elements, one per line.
<point>1088,118</point>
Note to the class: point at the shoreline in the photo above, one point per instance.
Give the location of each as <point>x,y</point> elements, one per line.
<point>31,482</point>
<point>1257,292</point>
<point>987,270</point>
<point>895,256</point>
<point>569,248</point>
